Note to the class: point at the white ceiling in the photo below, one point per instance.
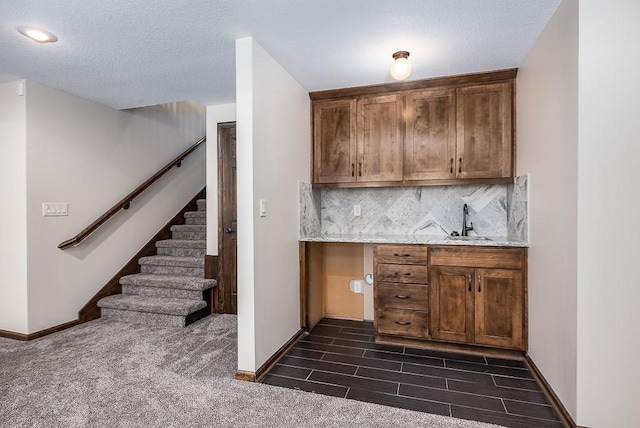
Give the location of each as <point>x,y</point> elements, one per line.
<point>126,53</point>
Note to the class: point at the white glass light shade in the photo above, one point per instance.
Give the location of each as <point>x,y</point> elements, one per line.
<point>401,66</point>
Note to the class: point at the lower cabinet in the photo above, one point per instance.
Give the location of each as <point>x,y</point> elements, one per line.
<point>470,295</point>
<point>401,292</point>
<point>481,306</point>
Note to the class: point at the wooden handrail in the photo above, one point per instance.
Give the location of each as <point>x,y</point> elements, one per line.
<point>126,201</point>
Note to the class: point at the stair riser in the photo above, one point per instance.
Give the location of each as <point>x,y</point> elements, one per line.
<point>202,205</point>
<point>189,235</point>
<point>155,320</point>
<point>162,292</point>
<point>182,252</point>
<point>196,220</point>
<point>172,270</point>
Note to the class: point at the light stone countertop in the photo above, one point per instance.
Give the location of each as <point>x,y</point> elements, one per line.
<point>415,239</point>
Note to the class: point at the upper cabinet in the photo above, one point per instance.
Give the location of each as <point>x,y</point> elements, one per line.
<point>358,140</point>
<point>436,131</point>
<point>334,141</point>
<point>379,139</point>
<point>430,135</point>
<point>484,118</point>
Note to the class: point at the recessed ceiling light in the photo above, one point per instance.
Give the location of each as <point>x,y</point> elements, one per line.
<point>38,35</point>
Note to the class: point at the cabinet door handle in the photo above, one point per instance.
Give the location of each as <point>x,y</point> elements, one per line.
<point>402,274</point>
<point>353,169</point>
<point>359,169</point>
<point>479,284</point>
<point>469,278</point>
<point>451,169</point>
<point>402,322</point>
<point>459,164</point>
<point>401,255</point>
<point>402,296</point>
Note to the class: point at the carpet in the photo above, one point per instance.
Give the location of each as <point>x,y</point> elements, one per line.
<point>107,373</point>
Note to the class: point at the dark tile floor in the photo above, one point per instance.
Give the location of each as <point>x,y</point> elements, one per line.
<point>340,358</point>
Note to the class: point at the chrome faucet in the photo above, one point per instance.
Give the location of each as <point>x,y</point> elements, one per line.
<point>465,228</point>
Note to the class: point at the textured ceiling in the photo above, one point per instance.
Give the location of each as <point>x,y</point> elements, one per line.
<point>126,53</point>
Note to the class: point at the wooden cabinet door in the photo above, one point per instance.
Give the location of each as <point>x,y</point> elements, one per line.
<point>430,135</point>
<point>380,138</point>
<point>484,142</point>
<point>334,141</point>
<point>451,303</point>
<point>499,307</point>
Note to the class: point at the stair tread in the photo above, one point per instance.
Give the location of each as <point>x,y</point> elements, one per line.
<point>182,243</point>
<point>195,214</point>
<point>172,261</point>
<point>189,228</point>
<point>155,305</point>
<point>168,281</point>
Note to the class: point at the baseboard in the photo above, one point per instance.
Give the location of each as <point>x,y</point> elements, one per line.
<point>246,376</point>
<point>561,411</point>
<point>37,334</point>
<point>258,374</point>
<point>510,354</point>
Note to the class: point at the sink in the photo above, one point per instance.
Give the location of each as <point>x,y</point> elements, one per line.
<point>468,238</point>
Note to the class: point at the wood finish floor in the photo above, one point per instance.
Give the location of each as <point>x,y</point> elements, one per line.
<point>340,358</point>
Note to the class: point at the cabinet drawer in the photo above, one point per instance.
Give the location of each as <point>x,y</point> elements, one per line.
<point>401,254</point>
<point>410,274</point>
<point>503,258</point>
<point>402,296</point>
<point>403,322</point>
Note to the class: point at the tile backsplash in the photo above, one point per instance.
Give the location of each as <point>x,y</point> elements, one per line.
<point>427,210</point>
<point>518,209</point>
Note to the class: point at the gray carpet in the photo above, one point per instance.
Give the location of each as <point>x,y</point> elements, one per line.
<point>111,374</point>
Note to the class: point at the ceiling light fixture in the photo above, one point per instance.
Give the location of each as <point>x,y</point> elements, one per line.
<point>401,67</point>
<point>37,35</point>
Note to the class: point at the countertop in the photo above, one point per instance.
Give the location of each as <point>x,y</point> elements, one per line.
<point>416,239</point>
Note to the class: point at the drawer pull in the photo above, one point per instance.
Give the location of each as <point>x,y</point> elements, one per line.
<point>402,322</point>
<point>402,296</point>
<point>401,255</point>
<point>402,274</point>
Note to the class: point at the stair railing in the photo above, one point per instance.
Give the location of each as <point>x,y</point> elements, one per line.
<point>125,202</point>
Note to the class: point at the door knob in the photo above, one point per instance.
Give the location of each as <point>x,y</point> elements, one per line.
<point>228,230</point>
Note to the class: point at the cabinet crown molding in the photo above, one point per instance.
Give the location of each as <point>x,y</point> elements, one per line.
<point>446,81</point>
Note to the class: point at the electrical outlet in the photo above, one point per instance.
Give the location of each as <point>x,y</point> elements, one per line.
<point>357,210</point>
<point>355,286</point>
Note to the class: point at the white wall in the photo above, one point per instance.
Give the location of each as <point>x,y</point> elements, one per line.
<point>13,223</point>
<point>273,143</point>
<point>547,135</point>
<point>608,211</point>
<point>215,114</point>
<point>91,156</point>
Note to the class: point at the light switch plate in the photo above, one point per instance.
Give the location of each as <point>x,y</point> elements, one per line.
<point>263,207</point>
<point>55,209</point>
<point>357,210</point>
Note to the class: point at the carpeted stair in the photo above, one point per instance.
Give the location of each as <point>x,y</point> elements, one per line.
<point>171,290</point>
